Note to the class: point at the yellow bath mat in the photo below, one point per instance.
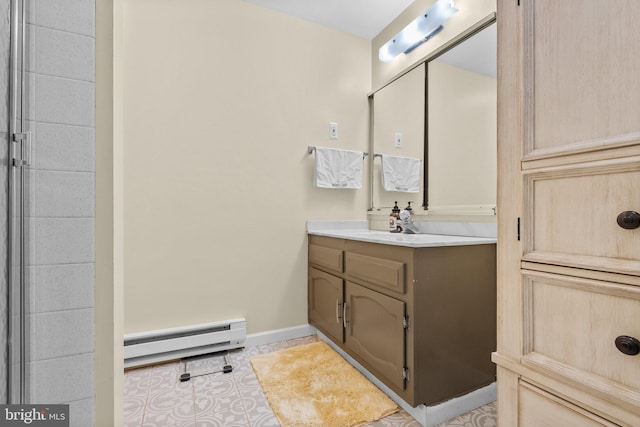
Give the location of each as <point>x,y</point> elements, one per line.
<point>312,385</point>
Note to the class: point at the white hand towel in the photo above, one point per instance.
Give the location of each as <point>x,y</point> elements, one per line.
<point>401,174</point>
<point>338,168</point>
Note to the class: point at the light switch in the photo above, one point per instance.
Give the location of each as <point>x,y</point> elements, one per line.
<point>333,130</point>
<point>398,140</point>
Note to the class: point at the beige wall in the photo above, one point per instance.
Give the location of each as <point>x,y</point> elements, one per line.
<point>470,12</point>
<point>220,100</point>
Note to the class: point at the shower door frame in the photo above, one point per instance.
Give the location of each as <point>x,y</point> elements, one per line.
<point>19,159</point>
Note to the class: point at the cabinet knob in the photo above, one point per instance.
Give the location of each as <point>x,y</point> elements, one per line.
<point>629,220</point>
<point>628,345</point>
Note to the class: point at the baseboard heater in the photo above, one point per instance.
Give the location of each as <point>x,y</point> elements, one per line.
<point>146,348</point>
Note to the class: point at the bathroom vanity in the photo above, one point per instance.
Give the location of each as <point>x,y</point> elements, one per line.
<point>417,311</point>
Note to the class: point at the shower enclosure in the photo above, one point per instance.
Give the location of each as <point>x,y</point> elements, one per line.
<point>47,174</point>
<point>13,137</point>
<point>5,53</point>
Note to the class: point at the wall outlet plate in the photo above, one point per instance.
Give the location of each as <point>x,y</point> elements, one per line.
<point>333,130</point>
<point>398,140</point>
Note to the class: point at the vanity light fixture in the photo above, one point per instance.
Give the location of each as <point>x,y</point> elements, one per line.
<point>418,31</point>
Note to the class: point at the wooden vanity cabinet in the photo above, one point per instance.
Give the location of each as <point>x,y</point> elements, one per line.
<point>422,320</point>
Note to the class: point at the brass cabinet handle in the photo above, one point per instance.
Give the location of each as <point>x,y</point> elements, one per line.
<point>628,345</point>
<point>629,220</point>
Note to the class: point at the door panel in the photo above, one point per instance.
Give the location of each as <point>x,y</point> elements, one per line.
<point>325,303</point>
<point>375,331</point>
<point>585,318</point>
<point>573,213</point>
<point>586,93</point>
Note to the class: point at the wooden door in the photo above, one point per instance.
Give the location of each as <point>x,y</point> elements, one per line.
<point>325,303</point>
<point>569,164</point>
<point>375,332</point>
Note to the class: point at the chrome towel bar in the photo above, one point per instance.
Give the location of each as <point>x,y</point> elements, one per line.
<point>312,148</point>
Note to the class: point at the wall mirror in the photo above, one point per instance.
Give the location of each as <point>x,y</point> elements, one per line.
<point>445,111</point>
<point>398,130</point>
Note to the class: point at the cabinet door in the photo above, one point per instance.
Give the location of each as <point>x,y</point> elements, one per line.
<point>325,303</point>
<point>376,333</point>
<point>572,325</point>
<point>581,67</point>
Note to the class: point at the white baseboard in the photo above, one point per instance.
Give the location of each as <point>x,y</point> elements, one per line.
<point>276,335</point>
<point>427,416</point>
<point>460,405</point>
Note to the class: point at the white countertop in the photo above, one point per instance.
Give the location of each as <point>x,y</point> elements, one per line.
<point>401,239</point>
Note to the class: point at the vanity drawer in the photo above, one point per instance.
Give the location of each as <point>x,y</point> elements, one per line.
<point>571,327</point>
<point>378,271</point>
<point>327,257</point>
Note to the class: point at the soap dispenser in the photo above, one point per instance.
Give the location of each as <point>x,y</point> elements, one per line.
<point>409,208</point>
<point>394,220</point>
<point>406,215</point>
<point>406,220</point>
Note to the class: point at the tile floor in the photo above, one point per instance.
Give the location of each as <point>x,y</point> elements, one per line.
<point>154,397</point>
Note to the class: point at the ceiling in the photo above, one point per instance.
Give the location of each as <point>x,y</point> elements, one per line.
<point>478,53</point>
<point>363,18</point>
<point>366,18</point>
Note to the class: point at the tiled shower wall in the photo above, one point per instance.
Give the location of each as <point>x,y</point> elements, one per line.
<point>61,104</point>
